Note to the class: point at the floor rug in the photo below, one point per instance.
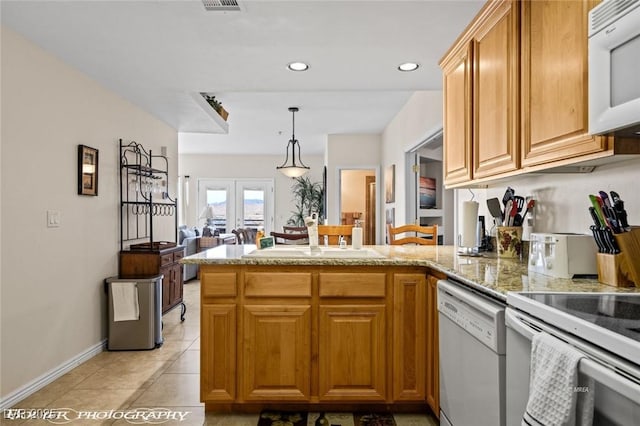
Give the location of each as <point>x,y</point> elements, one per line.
<point>282,418</point>
<point>372,419</point>
<point>285,418</point>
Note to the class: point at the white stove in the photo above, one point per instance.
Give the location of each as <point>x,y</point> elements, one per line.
<point>605,327</point>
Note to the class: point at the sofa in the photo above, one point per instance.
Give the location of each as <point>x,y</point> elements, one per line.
<point>188,238</point>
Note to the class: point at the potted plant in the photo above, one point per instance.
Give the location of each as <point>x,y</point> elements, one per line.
<point>309,198</point>
<point>216,105</point>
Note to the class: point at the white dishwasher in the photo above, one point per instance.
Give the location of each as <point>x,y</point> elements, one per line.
<point>472,357</point>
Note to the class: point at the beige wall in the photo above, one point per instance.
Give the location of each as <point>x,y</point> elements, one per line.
<point>52,296</point>
<point>419,118</point>
<point>353,190</point>
<point>356,151</point>
<point>245,166</point>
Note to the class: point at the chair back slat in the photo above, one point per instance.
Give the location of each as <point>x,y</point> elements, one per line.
<point>420,232</point>
<point>333,232</point>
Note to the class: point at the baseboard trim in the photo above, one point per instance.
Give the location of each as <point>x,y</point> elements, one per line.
<point>42,381</point>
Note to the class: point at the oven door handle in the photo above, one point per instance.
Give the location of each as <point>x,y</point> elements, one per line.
<point>603,373</point>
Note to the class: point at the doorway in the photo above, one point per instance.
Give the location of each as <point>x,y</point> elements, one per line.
<point>237,203</point>
<point>431,204</point>
<point>358,201</point>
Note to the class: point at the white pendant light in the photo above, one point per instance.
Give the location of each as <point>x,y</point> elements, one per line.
<point>293,169</point>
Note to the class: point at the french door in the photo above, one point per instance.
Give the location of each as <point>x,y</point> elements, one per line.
<point>237,203</point>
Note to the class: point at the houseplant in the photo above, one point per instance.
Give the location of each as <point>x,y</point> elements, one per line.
<point>309,198</point>
<point>216,105</point>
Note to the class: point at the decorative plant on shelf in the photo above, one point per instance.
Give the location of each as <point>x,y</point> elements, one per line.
<point>309,198</point>
<point>216,105</point>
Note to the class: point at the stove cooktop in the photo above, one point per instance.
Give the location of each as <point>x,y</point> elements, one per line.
<point>608,320</point>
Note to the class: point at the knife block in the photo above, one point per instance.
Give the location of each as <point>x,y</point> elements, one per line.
<point>629,243</point>
<point>612,270</point>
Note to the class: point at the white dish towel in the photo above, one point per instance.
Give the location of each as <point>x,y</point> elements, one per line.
<point>125,301</point>
<point>555,397</point>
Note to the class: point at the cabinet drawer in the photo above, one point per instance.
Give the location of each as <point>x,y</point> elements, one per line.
<point>352,284</point>
<point>178,255</point>
<point>166,259</point>
<point>216,284</point>
<point>277,284</point>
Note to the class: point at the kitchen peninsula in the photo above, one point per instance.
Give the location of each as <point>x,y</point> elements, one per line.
<point>337,332</point>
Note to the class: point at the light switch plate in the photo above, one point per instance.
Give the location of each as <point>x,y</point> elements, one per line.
<point>53,218</point>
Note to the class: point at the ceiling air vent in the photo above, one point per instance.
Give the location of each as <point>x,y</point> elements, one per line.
<point>222,5</point>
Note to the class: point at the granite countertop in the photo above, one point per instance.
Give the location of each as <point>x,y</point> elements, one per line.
<point>489,274</point>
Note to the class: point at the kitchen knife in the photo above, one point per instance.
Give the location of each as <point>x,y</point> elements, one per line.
<point>594,216</point>
<point>605,198</point>
<point>596,236</point>
<point>595,202</point>
<point>611,242</point>
<point>621,213</point>
<point>612,218</point>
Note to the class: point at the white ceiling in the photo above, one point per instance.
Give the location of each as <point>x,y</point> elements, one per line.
<point>157,54</point>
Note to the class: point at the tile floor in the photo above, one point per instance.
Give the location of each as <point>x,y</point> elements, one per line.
<point>167,377</point>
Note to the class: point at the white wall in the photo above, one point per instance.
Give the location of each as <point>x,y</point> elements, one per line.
<point>419,118</point>
<point>52,297</point>
<point>244,166</point>
<point>562,199</point>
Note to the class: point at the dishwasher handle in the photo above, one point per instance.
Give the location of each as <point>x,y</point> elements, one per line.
<point>626,383</point>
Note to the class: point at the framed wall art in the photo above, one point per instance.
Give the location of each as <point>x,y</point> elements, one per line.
<point>87,170</point>
<point>390,184</point>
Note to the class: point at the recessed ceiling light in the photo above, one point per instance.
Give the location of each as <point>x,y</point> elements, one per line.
<point>298,66</point>
<point>408,66</point>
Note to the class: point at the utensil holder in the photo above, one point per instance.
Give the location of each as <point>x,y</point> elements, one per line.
<point>629,243</point>
<point>612,270</point>
<point>509,241</point>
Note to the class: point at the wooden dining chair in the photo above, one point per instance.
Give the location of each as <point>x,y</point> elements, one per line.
<point>334,232</point>
<point>245,235</point>
<point>290,237</point>
<point>419,235</point>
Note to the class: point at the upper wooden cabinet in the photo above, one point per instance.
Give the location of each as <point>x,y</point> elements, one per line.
<point>554,82</point>
<point>516,93</point>
<point>480,88</point>
<point>457,115</point>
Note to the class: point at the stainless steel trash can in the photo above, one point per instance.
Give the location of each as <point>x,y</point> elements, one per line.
<point>142,296</point>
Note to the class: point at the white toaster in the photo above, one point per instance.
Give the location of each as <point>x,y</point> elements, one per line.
<point>562,255</point>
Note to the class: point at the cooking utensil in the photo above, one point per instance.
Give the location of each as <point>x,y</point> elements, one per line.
<point>508,195</point>
<point>530,205</point>
<point>493,204</point>
<point>507,212</point>
<point>519,201</point>
<point>514,212</point>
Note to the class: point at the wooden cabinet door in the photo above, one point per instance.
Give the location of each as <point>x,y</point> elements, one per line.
<point>409,334</point>
<point>495,92</point>
<point>276,353</point>
<point>433,347</point>
<point>167,287</point>
<point>554,81</point>
<point>457,83</point>
<point>352,353</point>
<point>218,353</point>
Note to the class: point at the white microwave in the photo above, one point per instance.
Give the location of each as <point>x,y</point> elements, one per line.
<point>614,68</point>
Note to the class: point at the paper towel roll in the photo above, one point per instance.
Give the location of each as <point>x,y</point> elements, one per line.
<point>356,238</point>
<point>469,225</point>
